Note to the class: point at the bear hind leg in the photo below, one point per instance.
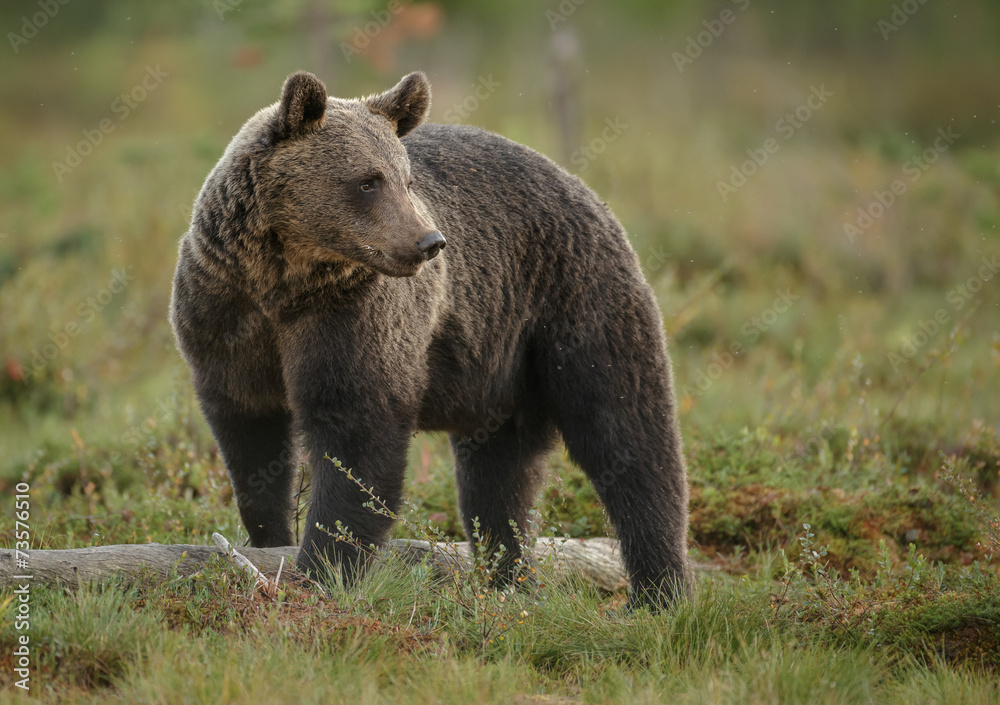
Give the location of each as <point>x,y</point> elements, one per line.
<point>498,470</point>
<point>617,419</point>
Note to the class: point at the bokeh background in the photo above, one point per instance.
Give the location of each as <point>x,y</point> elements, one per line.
<point>822,336</point>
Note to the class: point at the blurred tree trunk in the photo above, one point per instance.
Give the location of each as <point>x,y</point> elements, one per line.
<point>319,40</point>
<point>564,68</point>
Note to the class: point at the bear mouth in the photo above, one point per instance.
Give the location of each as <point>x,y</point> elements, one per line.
<point>394,266</point>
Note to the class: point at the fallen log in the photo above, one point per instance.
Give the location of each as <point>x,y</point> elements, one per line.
<point>595,560</point>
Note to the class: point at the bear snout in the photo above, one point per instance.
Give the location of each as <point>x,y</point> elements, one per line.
<point>431,243</point>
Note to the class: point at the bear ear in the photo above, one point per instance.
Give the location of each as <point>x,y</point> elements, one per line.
<point>303,105</point>
<point>404,105</point>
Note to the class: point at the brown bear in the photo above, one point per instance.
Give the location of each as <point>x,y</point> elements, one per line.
<point>352,276</point>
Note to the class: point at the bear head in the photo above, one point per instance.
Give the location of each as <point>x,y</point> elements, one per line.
<point>334,182</point>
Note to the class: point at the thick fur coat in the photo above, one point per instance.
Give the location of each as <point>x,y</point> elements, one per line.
<point>352,276</point>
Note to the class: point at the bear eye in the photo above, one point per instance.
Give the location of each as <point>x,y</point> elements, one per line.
<point>370,185</point>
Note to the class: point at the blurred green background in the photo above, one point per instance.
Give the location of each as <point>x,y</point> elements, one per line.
<point>750,148</point>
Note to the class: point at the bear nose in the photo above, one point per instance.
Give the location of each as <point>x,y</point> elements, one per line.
<point>432,243</point>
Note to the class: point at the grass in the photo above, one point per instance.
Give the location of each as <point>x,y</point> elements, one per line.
<point>806,393</point>
<point>399,637</point>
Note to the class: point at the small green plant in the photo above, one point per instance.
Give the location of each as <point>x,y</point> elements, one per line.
<point>469,582</point>
<point>913,606</point>
<point>817,590</point>
<point>953,473</point>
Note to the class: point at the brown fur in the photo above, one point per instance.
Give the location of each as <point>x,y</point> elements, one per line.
<point>307,310</point>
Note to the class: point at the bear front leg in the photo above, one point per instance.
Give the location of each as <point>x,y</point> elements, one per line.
<point>260,459</point>
<point>233,355</point>
<point>340,530</point>
<point>354,378</point>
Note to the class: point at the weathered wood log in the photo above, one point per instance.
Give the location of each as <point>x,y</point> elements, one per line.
<point>595,560</point>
